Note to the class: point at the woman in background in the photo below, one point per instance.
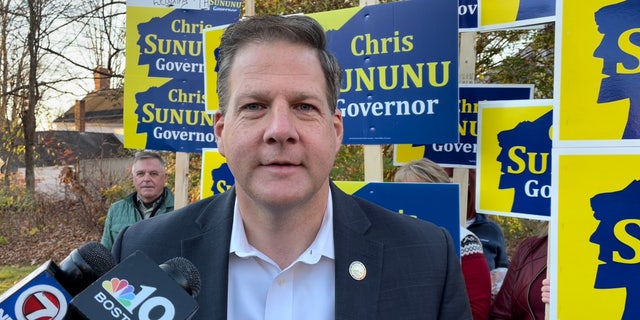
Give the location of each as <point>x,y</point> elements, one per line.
<point>520,295</point>
<point>474,265</point>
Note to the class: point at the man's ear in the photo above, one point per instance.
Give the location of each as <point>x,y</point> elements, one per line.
<point>338,125</point>
<point>218,127</point>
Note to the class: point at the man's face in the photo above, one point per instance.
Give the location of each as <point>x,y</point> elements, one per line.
<point>278,134</point>
<point>149,179</point>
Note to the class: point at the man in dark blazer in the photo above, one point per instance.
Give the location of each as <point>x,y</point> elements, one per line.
<point>412,271</point>
<point>285,242</point>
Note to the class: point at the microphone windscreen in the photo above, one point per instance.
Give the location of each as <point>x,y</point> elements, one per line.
<point>84,265</point>
<point>185,273</point>
<point>98,257</point>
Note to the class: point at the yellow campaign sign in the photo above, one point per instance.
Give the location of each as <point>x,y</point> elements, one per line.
<point>350,187</point>
<point>403,153</point>
<point>599,71</point>
<point>498,11</point>
<point>136,78</point>
<point>215,176</point>
<point>513,161</point>
<point>211,42</point>
<point>335,19</point>
<point>597,214</point>
<point>501,14</point>
<point>164,94</point>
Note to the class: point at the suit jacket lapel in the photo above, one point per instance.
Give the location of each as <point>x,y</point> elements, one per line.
<point>354,299</point>
<point>209,252</point>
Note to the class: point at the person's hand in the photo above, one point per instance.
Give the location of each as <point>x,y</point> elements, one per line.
<point>497,277</point>
<point>546,290</point>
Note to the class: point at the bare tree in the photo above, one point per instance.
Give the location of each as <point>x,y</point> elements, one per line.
<point>46,48</point>
<point>12,85</point>
<point>33,92</point>
<point>105,36</point>
<point>97,40</point>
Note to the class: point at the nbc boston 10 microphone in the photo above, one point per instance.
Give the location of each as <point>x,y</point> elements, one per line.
<point>46,292</point>
<point>138,289</point>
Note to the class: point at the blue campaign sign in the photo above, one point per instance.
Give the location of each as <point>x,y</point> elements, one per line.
<point>434,202</point>
<point>400,68</point>
<point>463,153</point>
<point>468,15</point>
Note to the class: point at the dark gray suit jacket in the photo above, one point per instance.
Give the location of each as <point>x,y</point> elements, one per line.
<point>413,271</point>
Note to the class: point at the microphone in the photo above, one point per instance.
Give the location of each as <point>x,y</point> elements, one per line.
<point>46,292</point>
<point>182,271</point>
<point>138,289</point>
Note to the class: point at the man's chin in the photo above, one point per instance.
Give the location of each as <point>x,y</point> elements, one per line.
<point>147,195</point>
<point>282,194</point>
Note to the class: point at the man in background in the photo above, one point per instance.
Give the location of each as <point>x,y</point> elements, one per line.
<point>151,197</point>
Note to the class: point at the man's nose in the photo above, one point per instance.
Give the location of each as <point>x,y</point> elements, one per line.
<point>281,126</point>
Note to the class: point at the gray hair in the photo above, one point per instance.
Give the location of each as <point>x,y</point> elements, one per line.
<point>296,29</point>
<point>140,155</point>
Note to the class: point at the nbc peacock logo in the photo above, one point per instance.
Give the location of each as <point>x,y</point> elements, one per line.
<point>121,290</point>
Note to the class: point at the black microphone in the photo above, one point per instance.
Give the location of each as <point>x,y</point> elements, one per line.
<point>182,271</point>
<point>46,292</point>
<point>137,289</point>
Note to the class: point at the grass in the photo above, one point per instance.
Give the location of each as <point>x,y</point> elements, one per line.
<point>10,275</point>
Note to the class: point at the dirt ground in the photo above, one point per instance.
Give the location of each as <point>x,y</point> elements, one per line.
<point>60,221</point>
<point>54,243</point>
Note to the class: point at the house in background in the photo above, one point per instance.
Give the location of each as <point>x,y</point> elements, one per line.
<point>90,129</point>
<point>88,137</point>
<point>99,111</point>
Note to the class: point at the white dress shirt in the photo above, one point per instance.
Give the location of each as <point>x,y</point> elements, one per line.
<point>259,289</point>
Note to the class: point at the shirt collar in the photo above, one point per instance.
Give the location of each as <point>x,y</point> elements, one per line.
<point>321,246</point>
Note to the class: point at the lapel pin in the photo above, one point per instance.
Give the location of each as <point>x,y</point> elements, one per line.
<point>357,270</point>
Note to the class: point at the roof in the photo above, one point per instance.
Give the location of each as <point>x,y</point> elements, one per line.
<point>68,147</point>
<point>102,106</point>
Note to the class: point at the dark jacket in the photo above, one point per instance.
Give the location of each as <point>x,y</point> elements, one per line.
<point>520,295</point>
<point>492,238</point>
<point>413,271</point>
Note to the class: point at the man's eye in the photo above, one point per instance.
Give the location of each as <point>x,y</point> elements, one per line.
<point>154,174</point>
<point>253,107</point>
<point>306,107</point>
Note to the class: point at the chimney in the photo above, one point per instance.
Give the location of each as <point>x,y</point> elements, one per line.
<point>79,115</point>
<point>102,78</point>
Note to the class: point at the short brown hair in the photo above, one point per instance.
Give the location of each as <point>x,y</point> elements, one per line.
<point>296,29</point>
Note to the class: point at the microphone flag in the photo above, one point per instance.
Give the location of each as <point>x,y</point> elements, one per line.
<point>37,296</point>
<point>137,288</point>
